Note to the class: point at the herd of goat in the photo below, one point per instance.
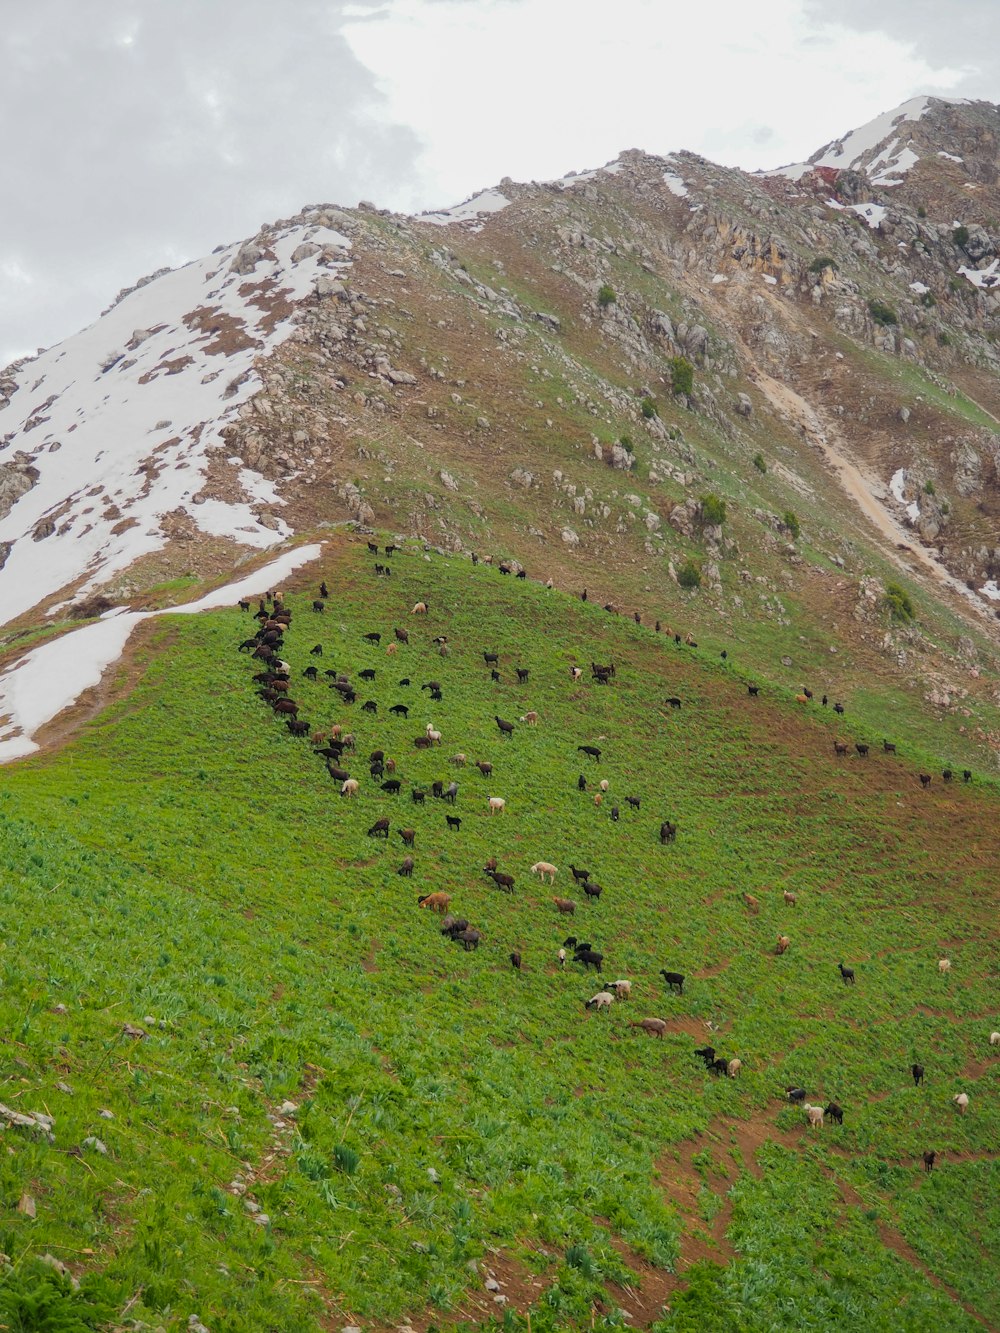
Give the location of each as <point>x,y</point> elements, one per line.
<point>334,744</point>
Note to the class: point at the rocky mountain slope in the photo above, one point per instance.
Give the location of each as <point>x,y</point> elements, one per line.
<point>560,373</point>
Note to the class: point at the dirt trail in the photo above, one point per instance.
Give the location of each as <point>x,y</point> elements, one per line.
<point>863,490</point>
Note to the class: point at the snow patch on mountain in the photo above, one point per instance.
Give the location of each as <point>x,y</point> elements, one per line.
<point>984,278</point>
<point>470,210</point>
<point>40,685</point>
<point>116,422</point>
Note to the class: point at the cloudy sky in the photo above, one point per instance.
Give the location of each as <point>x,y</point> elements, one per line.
<point>146,132</point>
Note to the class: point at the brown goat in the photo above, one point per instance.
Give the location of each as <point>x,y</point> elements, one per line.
<point>437,902</point>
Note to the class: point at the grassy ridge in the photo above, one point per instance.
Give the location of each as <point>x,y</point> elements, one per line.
<point>187,861</point>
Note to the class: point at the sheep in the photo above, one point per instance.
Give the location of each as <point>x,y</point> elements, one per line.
<point>604,784</point>
<point>929,1158</point>
<point>437,902</point>
<point>622,989</point>
<point>406,868</point>
<point>654,1026</point>
<point>801,699</point>
<point>847,973</point>
<point>796,1094</point>
<point>840,747</point>
<point>575,672</point>
<point>961,1100</point>
<point>543,868</point>
<point>790,898</point>
<point>469,939</point>
<point>530,718</point>
<point>674,980</point>
<point>453,925</point>
<point>502,881</point>
<point>782,945</point>
<point>565,905</point>
<point>408,835</point>
<point>484,768</point>
<point>944,965</point>
<point>918,1074</point>
<point>420,609</point>
<point>433,736</point>
<point>733,1068</point>
<point>752,902</point>
<point>602,1000</point>
<point>458,760</point>
<point>588,957</point>
<point>995,1038</point>
<point>835,1113</point>
<point>562,957</point>
<point>497,805</point>
<point>593,890</point>
<point>350,787</point>
<point>633,802</point>
<point>599,800</point>
<point>815,1114</point>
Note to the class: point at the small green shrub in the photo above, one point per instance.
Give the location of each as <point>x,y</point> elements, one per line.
<point>759,464</point>
<point>961,236</point>
<point>921,211</point>
<point>681,375</point>
<point>580,1258</point>
<point>689,575</point>
<point>346,1159</point>
<point>882,313</point>
<point>944,339</point>
<point>648,409</point>
<point>821,263</point>
<point>606,296</point>
<point>791,523</point>
<point>928,487</point>
<point>712,510</point>
<point>928,299</point>
<point>898,602</point>
<point>625,441</point>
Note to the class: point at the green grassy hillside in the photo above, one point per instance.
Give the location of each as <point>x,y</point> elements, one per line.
<point>463,1132</point>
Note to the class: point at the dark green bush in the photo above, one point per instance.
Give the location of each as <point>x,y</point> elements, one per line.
<point>759,464</point>
<point>928,487</point>
<point>712,511</point>
<point>898,602</point>
<point>791,523</point>
<point>821,263</point>
<point>921,211</point>
<point>681,375</point>
<point>882,313</point>
<point>606,296</point>
<point>648,408</point>
<point>689,575</point>
<point>961,236</point>
<point>928,299</point>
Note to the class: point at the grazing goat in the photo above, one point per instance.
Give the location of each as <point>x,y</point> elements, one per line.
<point>839,709</point>
<point>491,659</point>
<point>562,957</point>
<point>407,867</point>
<point>719,1066</point>
<point>589,958</point>
<point>654,1026</point>
<point>402,635</point>
<point>835,1113</point>
<point>733,1068</point>
<point>581,876</point>
<point>372,638</point>
<point>925,780</point>
<point>840,747</point>
<point>673,701</point>
<point>753,691</point>
<point>599,799</point>
<point>454,822</point>
<point>399,710</point>
<point>604,784</point>
<point>350,787</point>
<point>668,832</point>
<point>502,881</point>
<point>391,786</point>
<point>862,750</point>
<point>522,675</point>
<point>622,989</point>
<point>815,1114</point>
<point>484,768</point>
<point>515,960</point>
<point>543,868</point>
<point>674,980</point>
<point>497,805</point>
<point>918,1074</point>
<point>565,905</point>
<point>752,903</point>
<point>310,673</point>
<point>593,890</point>
<point>707,1053</point>
<point>408,835</point>
<point>592,751</point>
<point>458,760</point>
<point>530,718</point>
<point>782,945</point>
<point>420,609</point>
<point>575,672</point>
<point>633,802</point>
<point>888,747</point>
<point>380,829</point>
<point>944,964</point>
<point>602,1000</point>
<point>790,898</point>
<point>417,796</point>
<point>847,973</point>
<point>437,902</point>
<point>469,939</point>
<point>966,774</point>
<point>796,1094</point>
<point>451,792</point>
<point>506,728</point>
<point>961,1100</point>
<point>581,783</point>
<point>929,1159</point>
<point>947,775</point>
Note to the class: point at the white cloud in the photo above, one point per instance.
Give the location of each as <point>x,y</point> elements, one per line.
<point>534,88</point>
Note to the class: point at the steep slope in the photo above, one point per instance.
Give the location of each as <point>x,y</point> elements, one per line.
<point>273,1096</point>
<point>506,377</point>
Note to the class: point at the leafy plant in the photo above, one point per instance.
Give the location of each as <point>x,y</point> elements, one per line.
<point>823,262</point>
<point>759,464</point>
<point>606,296</point>
<point>960,236</point>
<point>711,511</point>
<point>689,575</point>
<point>791,523</point>
<point>681,376</point>
<point>899,603</point>
<point>648,408</point>
<point>928,487</point>
<point>882,313</point>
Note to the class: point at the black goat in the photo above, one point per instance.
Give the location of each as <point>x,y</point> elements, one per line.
<point>380,829</point>
<point>673,701</point>
<point>835,1113</point>
<point>918,1074</point>
<point>593,890</point>
<point>581,876</point>
<point>589,958</point>
<point>399,710</point>
<point>675,980</point>
<point>847,973</point>
<point>454,821</point>
<point>407,867</point>
<point>506,728</point>
<point>372,638</point>
<point>668,832</point>
<point>592,751</point>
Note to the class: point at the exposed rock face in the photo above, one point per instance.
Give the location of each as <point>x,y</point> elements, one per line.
<point>16,479</point>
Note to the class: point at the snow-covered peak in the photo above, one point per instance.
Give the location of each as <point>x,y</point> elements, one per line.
<point>107,433</point>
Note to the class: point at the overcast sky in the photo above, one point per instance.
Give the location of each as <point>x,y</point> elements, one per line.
<point>146,132</point>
